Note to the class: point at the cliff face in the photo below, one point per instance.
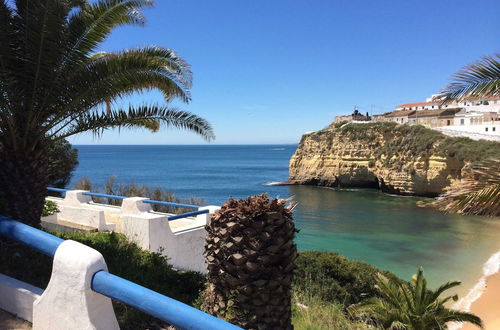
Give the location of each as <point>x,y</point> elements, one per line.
<point>376,156</point>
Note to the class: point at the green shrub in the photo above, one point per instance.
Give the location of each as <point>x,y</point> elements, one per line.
<point>49,208</point>
<point>62,160</point>
<point>311,313</point>
<point>333,278</point>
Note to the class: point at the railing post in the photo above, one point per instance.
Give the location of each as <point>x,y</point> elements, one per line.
<point>135,205</point>
<point>207,216</point>
<point>69,302</point>
<point>76,198</point>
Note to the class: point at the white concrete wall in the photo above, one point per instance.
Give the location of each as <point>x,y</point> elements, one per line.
<point>491,107</point>
<point>475,132</point>
<point>17,297</point>
<point>181,240</point>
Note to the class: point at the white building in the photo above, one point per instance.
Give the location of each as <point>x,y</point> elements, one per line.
<point>477,119</point>
<point>432,103</point>
<point>477,122</point>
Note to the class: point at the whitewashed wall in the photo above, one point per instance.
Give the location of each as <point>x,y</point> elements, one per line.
<point>181,240</point>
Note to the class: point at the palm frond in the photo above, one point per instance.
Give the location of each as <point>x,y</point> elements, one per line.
<point>481,79</point>
<point>91,25</point>
<point>149,117</point>
<point>414,306</point>
<point>476,194</point>
<point>457,316</point>
<point>442,288</point>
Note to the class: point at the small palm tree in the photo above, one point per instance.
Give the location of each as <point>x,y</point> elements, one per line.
<point>54,83</point>
<point>412,306</point>
<point>478,193</point>
<point>481,79</point>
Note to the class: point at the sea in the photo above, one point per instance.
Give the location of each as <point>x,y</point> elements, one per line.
<point>390,232</point>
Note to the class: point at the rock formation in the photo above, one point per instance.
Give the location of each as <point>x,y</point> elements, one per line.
<point>398,159</point>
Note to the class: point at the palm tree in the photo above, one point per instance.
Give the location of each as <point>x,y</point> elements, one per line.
<point>412,306</point>
<point>470,196</point>
<point>478,80</point>
<point>54,83</point>
<point>478,193</point>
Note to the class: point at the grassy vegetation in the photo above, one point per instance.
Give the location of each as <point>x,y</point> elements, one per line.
<point>333,278</point>
<point>311,313</point>
<point>325,285</point>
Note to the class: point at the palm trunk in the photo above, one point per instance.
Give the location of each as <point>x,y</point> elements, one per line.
<point>251,257</point>
<point>23,183</point>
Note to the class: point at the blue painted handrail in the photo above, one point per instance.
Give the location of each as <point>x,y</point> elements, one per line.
<point>34,238</point>
<point>151,302</point>
<point>155,304</point>
<point>187,214</point>
<point>148,201</point>
<point>61,190</point>
<point>186,206</point>
<point>103,195</point>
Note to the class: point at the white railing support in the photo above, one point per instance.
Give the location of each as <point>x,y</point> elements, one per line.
<point>68,302</point>
<point>76,198</point>
<point>135,205</point>
<point>207,216</point>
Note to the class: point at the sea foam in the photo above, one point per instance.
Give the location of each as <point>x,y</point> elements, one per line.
<point>491,267</point>
<point>273,183</point>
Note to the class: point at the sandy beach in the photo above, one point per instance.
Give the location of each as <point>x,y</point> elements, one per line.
<point>487,307</point>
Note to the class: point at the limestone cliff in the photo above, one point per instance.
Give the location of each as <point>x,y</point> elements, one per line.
<point>399,159</point>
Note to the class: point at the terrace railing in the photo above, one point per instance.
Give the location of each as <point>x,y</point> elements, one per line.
<point>146,201</point>
<point>169,310</point>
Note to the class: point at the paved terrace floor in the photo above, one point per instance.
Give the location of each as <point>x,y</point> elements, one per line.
<point>10,322</point>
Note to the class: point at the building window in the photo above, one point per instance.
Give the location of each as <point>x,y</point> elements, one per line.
<point>486,129</point>
<point>493,129</point>
<point>448,122</point>
<point>462,121</point>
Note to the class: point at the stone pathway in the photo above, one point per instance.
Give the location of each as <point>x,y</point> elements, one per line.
<point>10,322</point>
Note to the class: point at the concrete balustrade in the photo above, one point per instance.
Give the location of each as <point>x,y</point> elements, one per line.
<point>80,289</point>
<point>181,240</point>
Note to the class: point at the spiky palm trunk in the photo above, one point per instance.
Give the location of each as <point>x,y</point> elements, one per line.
<point>23,182</point>
<point>250,254</point>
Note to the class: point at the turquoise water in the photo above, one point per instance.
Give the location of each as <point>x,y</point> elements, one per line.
<point>390,232</point>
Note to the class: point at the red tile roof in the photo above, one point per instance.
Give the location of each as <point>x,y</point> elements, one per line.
<point>400,113</point>
<point>437,113</point>
<point>416,104</point>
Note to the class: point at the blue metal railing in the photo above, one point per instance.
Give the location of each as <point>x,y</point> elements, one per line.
<point>61,190</point>
<point>147,201</point>
<point>187,214</point>
<point>34,238</point>
<point>172,204</point>
<point>104,195</point>
<point>165,308</point>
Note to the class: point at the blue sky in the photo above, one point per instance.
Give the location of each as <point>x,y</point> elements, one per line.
<point>266,71</point>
